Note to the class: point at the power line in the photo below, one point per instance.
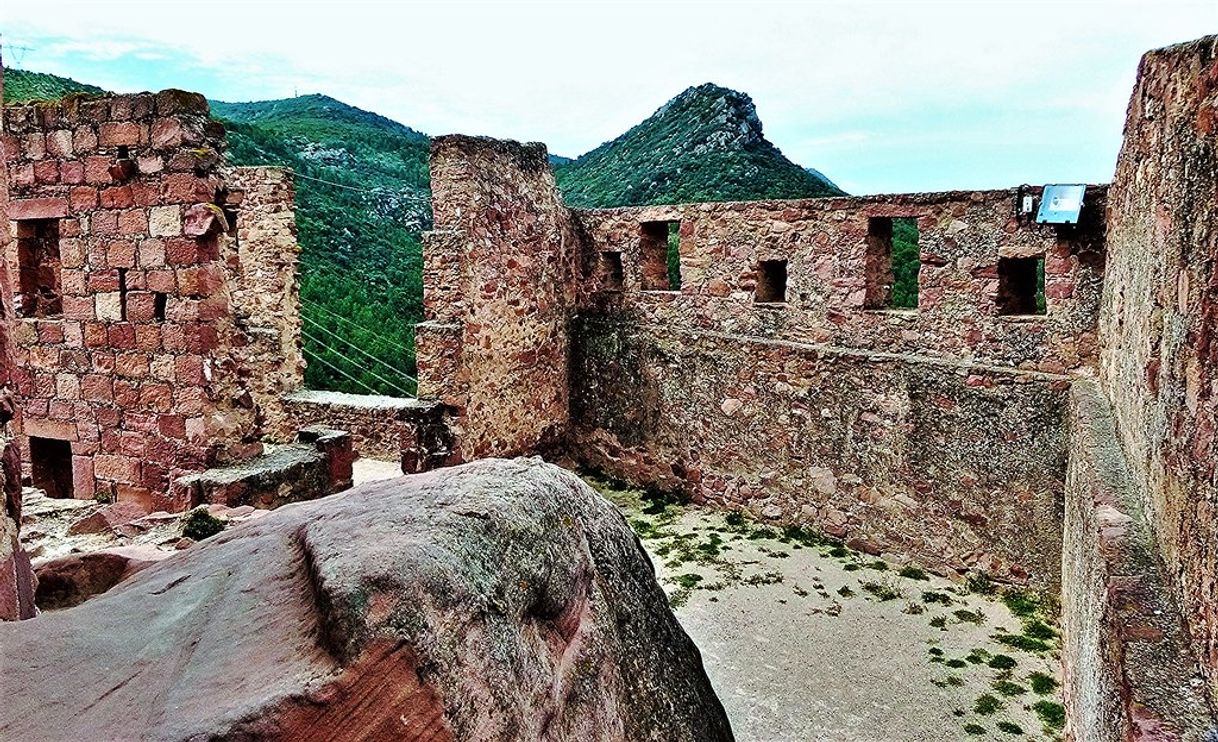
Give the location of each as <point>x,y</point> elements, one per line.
<point>355,363</point>
<point>354,324</point>
<point>358,349</point>
<point>317,357</point>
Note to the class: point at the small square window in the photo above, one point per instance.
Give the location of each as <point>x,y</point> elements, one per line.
<point>51,466</point>
<point>1021,285</point>
<point>771,282</point>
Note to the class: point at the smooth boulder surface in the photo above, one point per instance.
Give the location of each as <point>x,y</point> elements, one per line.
<point>499,600</point>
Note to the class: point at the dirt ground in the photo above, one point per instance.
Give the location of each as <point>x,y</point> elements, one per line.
<point>804,639</point>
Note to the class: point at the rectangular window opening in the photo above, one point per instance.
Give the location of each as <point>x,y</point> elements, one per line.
<point>661,255</point>
<point>877,265</point>
<point>612,275</point>
<point>1021,286</point>
<point>771,282</point>
<point>38,287</point>
<point>51,466</point>
<point>159,301</point>
<point>892,263</point>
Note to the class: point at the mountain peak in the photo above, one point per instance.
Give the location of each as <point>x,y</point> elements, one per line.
<point>706,144</point>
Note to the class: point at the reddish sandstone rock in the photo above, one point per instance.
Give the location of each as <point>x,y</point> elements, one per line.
<point>108,518</point>
<point>73,579</point>
<point>500,600</point>
<point>16,577</point>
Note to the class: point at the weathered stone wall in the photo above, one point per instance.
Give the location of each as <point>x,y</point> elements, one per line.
<point>1128,665</point>
<point>499,285</point>
<point>266,300</point>
<point>961,237</point>
<point>132,348</point>
<point>1159,323</point>
<point>412,431</point>
<point>957,466</point>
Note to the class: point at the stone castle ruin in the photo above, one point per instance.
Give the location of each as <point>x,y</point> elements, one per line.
<point>1045,415</point>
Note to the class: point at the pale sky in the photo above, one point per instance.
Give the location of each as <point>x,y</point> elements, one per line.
<point>880,96</point>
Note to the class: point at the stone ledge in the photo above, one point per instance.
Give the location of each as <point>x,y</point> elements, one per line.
<point>1130,674</point>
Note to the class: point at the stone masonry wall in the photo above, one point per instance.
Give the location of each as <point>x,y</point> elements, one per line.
<point>1159,323</point>
<point>259,205</point>
<point>1129,670</point>
<point>499,286</point>
<point>122,290</point>
<point>962,238</point>
<point>956,466</point>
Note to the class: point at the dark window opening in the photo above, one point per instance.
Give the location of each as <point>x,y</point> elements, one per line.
<point>771,281</point>
<point>892,263</point>
<point>122,294</point>
<point>124,153</point>
<point>877,266</point>
<point>1021,285</point>
<point>661,255</point>
<point>51,466</point>
<point>38,287</point>
<point>612,275</point>
<point>159,301</point>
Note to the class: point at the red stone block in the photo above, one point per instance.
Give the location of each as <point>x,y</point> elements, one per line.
<point>152,254</point>
<point>132,364</point>
<point>22,175</point>
<point>103,280</point>
<point>172,426</point>
<point>74,282</point>
<point>141,306</point>
<point>59,144</point>
<point>117,197</point>
<point>46,172</point>
<point>166,133</point>
<point>156,397</point>
<point>82,477</point>
<point>182,251</point>
<point>107,417</point>
<point>147,336</point>
<point>145,194</point>
<point>104,222</point>
<point>116,468</point>
<point>163,281</point>
<point>96,388</point>
<point>34,146</point>
<point>121,254</point>
<point>10,147</point>
<point>38,208</point>
<point>82,198</point>
<point>102,362</point>
<point>62,409</point>
<point>95,333</point>
<point>185,188</point>
<point>50,332</point>
<point>122,336</point>
<point>78,307</point>
<point>126,395</point>
<point>119,133</point>
<point>44,428</point>
<point>72,172</point>
<point>189,370</point>
<point>97,170</point>
<point>84,141</point>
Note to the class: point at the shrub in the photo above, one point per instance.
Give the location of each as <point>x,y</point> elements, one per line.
<point>200,524</point>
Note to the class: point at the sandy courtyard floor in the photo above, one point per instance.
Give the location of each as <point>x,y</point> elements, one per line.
<point>804,639</point>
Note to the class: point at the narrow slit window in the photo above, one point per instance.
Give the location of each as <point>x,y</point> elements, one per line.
<point>38,284</point>
<point>1021,286</point>
<point>660,256</point>
<point>771,282</point>
<point>122,294</point>
<point>612,275</point>
<point>159,302</point>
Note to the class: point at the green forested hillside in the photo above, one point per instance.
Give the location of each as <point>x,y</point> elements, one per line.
<point>21,86</point>
<point>706,144</point>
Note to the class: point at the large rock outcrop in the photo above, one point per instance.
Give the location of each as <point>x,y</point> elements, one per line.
<point>16,577</point>
<point>500,600</point>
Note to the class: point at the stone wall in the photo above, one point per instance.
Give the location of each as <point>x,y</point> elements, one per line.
<point>259,206</point>
<point>954,465</point>
<point>825,243</point>
<point>1159,323</point>
<point>124,298</point>
<point>413,431</point>
<point>1129,670</point>
<point>499,285</point>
